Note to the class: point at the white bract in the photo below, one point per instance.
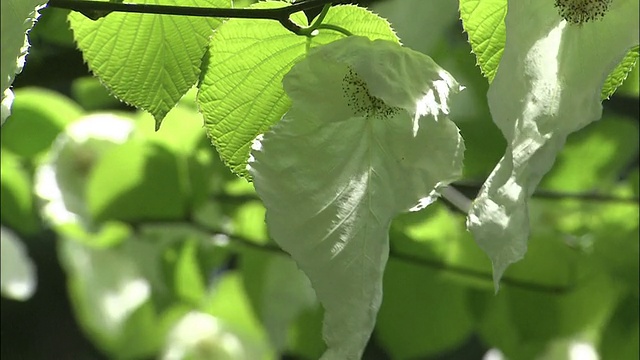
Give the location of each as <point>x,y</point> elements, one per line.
<point>200,336</point>
<point>367,137</point>
<point>548,85</point>
<point>61,180</point>
<point>110,281</point>
<point>18,273</point>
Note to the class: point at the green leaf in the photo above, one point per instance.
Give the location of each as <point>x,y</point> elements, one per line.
<point>178,157</point>
<point>229,303</point>
<point>437,236</point>
<point>147,185</point>
<point>189,281</point>
<point>183,137</point>
<point>241,94</point>
<point>279,292</point>
<point>18,17</point>
<point>614,228</point>
<point>149,61</point>
<point>620,73</point>
<point>248,221</point>
<point>621,338</point>
<point>89,92</point>
<point>522,322</point>
<point>53,28</point>
<point>483,20</point>
<point>367,137</point>
<point>108,234</point>
<point>539,96</point>
<point>439,326</point>
<point>39,115</point>
<point>16,195</point>
<point>631,85</point>
<point>598,153</point>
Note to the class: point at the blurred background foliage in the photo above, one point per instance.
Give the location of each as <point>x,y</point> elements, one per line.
<point>143,245</point>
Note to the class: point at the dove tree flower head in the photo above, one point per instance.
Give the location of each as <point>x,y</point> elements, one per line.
<point>372,118</point>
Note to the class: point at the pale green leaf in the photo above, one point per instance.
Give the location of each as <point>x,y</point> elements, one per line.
<point>367,137</point>
<point>241,94</point>
<point>539,96</point>
<point>483,20</point>
<point>18,17</point>
<point>149,61</point>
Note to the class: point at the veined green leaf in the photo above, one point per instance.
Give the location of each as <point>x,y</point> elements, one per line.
<point>615,79</point>
<point>241,94</point>
<point>548,85</point>
<point>483,20</point>
<point>18,17</point>
<point>146,60</point>
<point>367,137</point>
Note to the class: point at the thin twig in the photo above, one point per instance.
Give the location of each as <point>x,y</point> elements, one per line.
<point>462,192</point>
<point>433,264</point>
<point>98,9</point>
<point>469,187</point>
<point>393,254</point>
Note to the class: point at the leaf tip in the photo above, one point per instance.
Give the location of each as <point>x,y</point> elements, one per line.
<point>498,271</point>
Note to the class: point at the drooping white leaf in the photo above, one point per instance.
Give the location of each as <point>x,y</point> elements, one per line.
<point>367,137</point>
<point>548,85</point>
